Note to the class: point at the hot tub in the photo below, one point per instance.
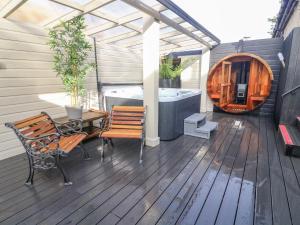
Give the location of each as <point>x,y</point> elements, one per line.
<point>174,106</point>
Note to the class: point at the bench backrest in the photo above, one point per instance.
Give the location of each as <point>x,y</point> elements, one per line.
<point>35,126</point>
<point>128,117</point>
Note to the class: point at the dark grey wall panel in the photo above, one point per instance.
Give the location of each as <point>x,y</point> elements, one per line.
<point>289,107</point>
<point>266,49</point>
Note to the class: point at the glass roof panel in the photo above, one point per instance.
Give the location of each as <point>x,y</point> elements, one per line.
<point>139,22</point>
<point>168,13</point>
<point>92,21</point>
<point>3,3</point>
<point>150,2</point>
<point>166,30</point>
<point>117,9</point>
<point>82,2</point>
<point>112,32</point>
<point>37,11</point>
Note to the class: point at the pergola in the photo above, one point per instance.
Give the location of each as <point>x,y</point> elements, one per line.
<point>157,27</point>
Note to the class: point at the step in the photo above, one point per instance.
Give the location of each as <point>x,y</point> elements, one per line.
<point>290,137</point>
<point>196,118</point>
<point>205,130</point>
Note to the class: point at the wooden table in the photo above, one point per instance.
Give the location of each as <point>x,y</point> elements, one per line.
<point>87,119</point>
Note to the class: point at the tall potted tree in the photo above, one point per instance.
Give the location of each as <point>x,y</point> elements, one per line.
<point>71,50</point>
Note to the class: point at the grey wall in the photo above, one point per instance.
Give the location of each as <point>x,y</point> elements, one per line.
<point>265,48</point>
<point>289,107</point>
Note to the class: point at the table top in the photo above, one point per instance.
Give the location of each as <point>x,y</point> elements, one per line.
<point>88,116</point>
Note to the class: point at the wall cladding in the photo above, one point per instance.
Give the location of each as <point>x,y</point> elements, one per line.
<point>289,107</point>
<point>265,48</point>
<point>28,84</point>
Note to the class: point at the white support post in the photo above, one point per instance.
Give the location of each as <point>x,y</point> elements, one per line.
<point>151,77</point>
<point>206,103</point>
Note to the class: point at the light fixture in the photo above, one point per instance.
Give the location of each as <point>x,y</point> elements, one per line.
<point>281,58</point>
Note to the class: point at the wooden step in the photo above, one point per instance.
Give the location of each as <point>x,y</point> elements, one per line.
<point>290,137</point>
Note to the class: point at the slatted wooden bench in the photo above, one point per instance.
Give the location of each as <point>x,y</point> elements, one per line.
<point>126,122</point>
<point>45,143</point>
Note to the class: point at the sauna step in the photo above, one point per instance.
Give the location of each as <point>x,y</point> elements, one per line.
<point>290,137</point>
<point>205,130</point>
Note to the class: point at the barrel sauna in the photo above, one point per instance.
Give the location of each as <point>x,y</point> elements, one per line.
<point>239,82</point>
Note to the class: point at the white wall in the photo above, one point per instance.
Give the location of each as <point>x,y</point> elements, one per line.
<point>190,77</point>
<point>28,84</point>
<point>119,65</point>
<point>293,22</point>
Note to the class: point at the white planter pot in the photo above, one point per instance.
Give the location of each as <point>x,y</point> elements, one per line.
<point>74,113</point>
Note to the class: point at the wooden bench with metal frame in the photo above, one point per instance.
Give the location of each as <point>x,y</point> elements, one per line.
<point>125,122</point>
<point>46,141</point>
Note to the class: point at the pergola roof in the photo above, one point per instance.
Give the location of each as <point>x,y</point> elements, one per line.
<point>118,22</point>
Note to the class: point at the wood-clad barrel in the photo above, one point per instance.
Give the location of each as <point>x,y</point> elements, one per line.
<point>239,82</point>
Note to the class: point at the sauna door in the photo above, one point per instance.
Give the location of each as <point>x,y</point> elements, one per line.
<point>225,83</point>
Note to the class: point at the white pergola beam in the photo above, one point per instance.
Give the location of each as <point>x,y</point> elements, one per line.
<point>10,7</point>
<point>157,15</point>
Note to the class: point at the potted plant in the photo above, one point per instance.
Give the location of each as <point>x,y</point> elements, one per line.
<point>170,72</point>
<point>71,50</point>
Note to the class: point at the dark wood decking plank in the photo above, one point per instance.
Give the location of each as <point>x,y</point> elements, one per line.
<point>245,210</point>
<point>291,182</point>
<point>191,211</point>
<point>170,208</point>
<point>162,203</point>
<point>88,180</point>
<point>227,211</point>
<point>127,174</point>
<point>12,160</point>
<point>58,191</point>
<point>150,195</point>
<point>172,190</point>
<point>130,202</point>
<point>209,211</point>
<point>91,209</point>
<point>280,207</point>
<point>17,186</point>
<point>22,194</point>
<point>263,201</point>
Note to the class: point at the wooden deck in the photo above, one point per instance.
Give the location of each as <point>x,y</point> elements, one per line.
<point>238,177</point>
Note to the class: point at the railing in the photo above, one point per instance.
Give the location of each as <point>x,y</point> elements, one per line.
<point>292,91</point>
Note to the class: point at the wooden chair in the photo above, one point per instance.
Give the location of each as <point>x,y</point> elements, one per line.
<point>125,122</point>
<point>46,142</point>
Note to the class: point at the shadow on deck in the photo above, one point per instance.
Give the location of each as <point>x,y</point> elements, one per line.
<point>240,176</point>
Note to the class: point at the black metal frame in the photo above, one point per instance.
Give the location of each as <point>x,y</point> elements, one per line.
<point>49,159</point>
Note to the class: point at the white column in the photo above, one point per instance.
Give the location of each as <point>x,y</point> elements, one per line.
<point>151,77</point>
<point>206,103</point>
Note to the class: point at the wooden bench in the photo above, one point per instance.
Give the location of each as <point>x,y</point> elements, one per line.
<point>125,122</point>
<point>46,142</point>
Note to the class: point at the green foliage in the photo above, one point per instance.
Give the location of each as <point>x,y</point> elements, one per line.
<point>71,50</point>
<point>272,22</point>
<point>168,71</point>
